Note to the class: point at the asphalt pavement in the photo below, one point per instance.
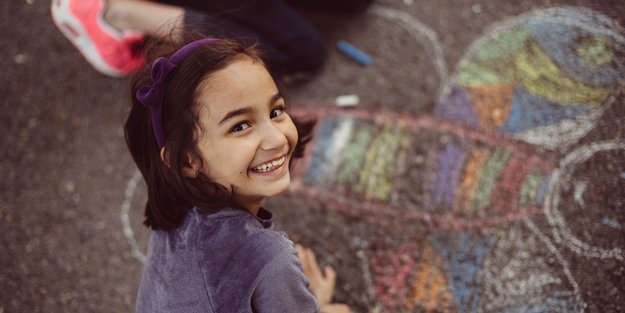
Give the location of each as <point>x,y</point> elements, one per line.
<point>71,200</point>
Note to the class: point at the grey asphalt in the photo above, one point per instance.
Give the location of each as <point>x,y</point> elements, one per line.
<point>65,171</point>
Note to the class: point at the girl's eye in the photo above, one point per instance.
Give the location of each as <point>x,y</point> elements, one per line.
<point>240,127</point>
<point>276,112</point>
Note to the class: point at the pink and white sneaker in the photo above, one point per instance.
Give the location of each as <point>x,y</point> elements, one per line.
<point>110,51</point>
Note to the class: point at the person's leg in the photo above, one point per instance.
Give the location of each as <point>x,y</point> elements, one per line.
<point>291,43</point>
<point>152,18</point>
<point>338,6</point>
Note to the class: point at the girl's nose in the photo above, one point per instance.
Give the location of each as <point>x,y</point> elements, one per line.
<point>273,138</point>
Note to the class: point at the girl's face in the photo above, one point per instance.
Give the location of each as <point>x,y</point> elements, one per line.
<point>247,138</point>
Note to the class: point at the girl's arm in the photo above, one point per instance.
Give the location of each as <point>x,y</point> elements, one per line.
<point>282,286</point>
<point>321,284</point>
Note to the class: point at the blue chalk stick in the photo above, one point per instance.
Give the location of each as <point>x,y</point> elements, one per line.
<point>610,222</point>
<point>622,175</point>
<point>353,52</point>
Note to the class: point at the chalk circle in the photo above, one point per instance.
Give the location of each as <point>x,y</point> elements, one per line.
<point>544,77</point>
<point>422,33</point>
<point>557,218</point>
<point>129,194</point>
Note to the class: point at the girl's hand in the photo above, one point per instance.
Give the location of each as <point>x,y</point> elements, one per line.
<point>321,284</point>
<point>335,308</point>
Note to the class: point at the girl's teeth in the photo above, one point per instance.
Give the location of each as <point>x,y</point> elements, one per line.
<point>270,165</point>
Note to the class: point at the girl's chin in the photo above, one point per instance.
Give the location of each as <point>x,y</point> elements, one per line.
<point>265,188</point>
<point>277,187</point>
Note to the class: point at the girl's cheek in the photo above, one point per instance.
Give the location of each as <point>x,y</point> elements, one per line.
<point>292,136</point>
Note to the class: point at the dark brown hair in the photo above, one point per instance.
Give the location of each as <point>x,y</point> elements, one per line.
<point>170,193</point>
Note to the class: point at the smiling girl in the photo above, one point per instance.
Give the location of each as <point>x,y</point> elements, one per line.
<point>210,133</point>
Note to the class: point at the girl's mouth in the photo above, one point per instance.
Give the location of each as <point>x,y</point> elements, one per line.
<point>270,166</point>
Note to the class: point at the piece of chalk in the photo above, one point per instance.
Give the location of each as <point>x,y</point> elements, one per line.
<point>610,222</point>
<point>353,52</point>
<point>347,101</point>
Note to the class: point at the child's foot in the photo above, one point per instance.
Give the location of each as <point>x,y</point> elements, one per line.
<point>108,50</point>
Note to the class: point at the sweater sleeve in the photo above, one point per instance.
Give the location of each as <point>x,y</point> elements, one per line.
<point>283,288</point>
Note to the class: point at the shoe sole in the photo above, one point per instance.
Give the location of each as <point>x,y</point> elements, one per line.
<point>73,30</point>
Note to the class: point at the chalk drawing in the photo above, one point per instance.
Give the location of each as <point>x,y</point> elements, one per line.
<point>482,172</point>
<point>544,77</point>
<point>392,270</point>
<point>556,217</point>
<point>419,30</point>
<point>429,286</point>
<point>463,254</point>
<point>525,281</point>
<point>410,276</point>
<point>131,187</point>
<point>565,267</point>
<point>418,168</point>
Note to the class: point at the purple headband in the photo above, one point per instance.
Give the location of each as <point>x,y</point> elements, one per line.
<point>152,95</point>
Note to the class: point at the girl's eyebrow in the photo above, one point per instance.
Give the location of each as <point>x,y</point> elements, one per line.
<point>248,109</point>
<point>234,113</point>
<point>275,98</point>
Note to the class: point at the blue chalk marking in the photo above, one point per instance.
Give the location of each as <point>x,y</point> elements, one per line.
<point>610,222</point>
<point>541,193</point>
<point>622,175</point>
<point>529,111</point>
<point>464,256</point>
<point>317,166</point>
<point>353,52</point>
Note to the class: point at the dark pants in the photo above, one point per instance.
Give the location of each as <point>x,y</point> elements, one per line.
<point>290,43</point>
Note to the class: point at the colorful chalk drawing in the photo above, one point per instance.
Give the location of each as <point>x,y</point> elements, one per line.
<point>376,163</point>
<point>493,172</point>
<point>544,77</point>
<point>492,175</point>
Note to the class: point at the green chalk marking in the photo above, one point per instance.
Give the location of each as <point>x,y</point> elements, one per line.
<point>492,169</point>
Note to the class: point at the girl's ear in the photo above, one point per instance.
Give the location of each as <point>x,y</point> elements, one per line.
<point>191,165</point>
<point>164,158</point>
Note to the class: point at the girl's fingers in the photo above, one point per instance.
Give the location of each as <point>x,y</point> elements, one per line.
<point>302,257</point>
<point>330,274</point>
<point>335,308</point>
<point>312,262</point>
<point>309,263</point>
<point>322,283</point>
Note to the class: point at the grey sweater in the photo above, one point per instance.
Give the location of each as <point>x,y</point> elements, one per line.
<point>226,261</point>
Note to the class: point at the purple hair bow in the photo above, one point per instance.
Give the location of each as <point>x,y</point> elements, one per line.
<point>152,95</point>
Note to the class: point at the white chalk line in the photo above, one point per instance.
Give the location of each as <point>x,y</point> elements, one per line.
<point>561,231</point>
<point>340,138</point>
<point>369,281</point>
<point>564,133</point>
<point>578,194</point>
<point>131,187</point>
<point>529,278</point>
<point>420,30</point>
<point>565,266</point>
